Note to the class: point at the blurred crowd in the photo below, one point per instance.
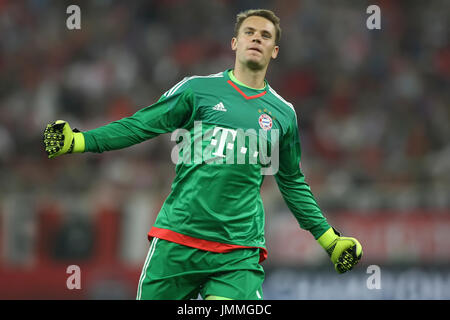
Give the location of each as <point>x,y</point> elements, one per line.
<point>373,105</point>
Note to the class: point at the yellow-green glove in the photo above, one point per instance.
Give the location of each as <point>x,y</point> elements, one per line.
<point>345,252</point>
<point>60,139</point>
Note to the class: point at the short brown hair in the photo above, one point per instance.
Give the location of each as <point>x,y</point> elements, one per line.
<point>268,14</point>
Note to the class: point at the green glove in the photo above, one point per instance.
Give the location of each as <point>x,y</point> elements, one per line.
<point>60,139</point>
<point>344,252</point>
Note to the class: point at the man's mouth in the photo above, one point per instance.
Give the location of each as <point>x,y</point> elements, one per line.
<point>255,49</point>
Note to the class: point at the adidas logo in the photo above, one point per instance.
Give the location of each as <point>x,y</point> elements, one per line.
<point>219,107</point>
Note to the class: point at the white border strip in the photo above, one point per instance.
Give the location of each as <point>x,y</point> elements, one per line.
<point>144,269</point>
<point>179,84</point>
<point>281,98</point>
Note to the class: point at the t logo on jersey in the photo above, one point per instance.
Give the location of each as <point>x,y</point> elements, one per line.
<point>223,138</point>
<point>218,145</point>
<point>230,137</point>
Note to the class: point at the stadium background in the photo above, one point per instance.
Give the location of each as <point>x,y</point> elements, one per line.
<point>373,109</point>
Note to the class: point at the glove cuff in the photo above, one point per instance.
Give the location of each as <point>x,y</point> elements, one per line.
<point>78,142</point>
<point>328,238</point>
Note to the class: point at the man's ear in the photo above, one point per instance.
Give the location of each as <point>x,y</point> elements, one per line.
<point>233,43</point>
<point>275,52</point>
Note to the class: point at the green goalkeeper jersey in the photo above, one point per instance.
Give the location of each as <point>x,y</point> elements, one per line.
<point>229,137</point>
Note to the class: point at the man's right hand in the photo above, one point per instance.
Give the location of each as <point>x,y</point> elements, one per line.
<point>60,139</point>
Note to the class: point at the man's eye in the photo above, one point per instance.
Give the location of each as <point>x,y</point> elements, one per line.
<point>248,32</point>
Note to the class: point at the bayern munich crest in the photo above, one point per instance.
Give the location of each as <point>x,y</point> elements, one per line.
<point>265,121</point>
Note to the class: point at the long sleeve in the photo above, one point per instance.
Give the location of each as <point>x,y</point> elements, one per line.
<point>295,191</point>
<point>173,110</point>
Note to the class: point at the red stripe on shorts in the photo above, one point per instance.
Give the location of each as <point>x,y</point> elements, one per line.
<point>201,244</point>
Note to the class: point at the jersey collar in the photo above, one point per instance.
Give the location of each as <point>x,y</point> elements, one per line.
<point>240,87</point>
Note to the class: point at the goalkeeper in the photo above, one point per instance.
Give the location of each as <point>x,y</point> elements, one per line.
<point>208,237</point>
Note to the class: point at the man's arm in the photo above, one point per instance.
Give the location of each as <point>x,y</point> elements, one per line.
<point>344,252</point>
<point>175,109</point>
<point>293,187</point>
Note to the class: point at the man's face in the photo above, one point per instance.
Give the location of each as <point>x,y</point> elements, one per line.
<point>255,42</point>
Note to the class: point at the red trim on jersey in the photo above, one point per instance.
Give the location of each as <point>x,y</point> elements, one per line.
<point>201,244</point>
<point>243,94</point>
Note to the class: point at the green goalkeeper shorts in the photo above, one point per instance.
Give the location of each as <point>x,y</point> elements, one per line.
<point>177,272</point>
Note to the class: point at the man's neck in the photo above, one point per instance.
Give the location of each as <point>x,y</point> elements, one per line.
<point>251,78</point>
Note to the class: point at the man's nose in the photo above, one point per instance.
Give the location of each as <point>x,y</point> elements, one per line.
<point>256,39</point>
